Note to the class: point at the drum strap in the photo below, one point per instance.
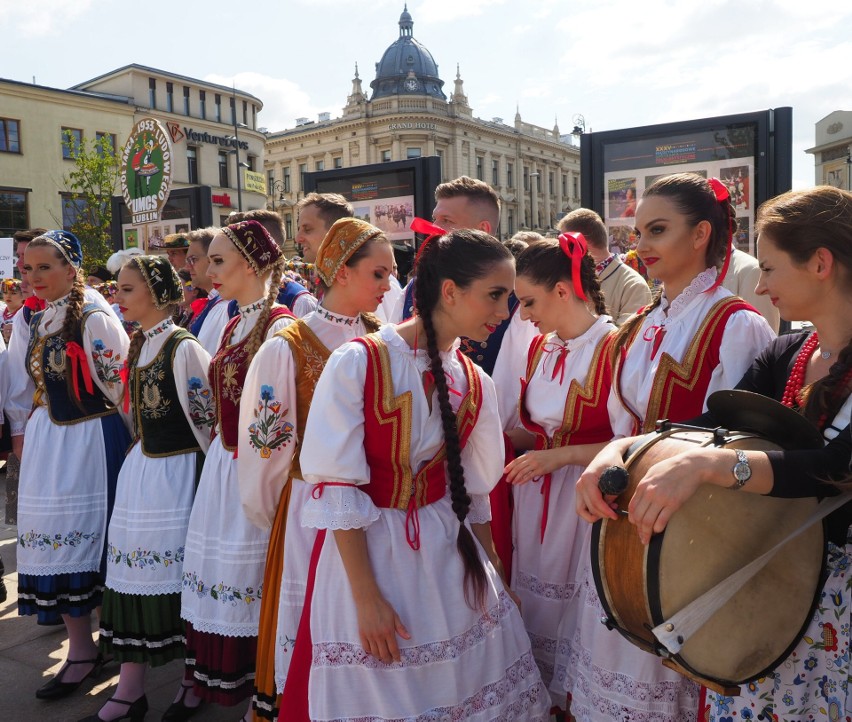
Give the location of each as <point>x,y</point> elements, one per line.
<point>674,632</point>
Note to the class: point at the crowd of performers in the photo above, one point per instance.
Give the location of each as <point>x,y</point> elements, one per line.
<point>370,502</point>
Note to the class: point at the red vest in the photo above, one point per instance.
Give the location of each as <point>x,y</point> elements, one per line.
<point>387,438</point>
<point>228,369</point>
<point>680,388</point>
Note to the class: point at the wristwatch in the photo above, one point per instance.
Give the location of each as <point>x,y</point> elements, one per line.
<point>741,470</point>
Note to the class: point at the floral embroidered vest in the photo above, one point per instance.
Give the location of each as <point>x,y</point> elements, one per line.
<point>387,434</point>
<point>159,422</point>
<point>228,370</point>
<point>680,388</point>
<point>47,359</point>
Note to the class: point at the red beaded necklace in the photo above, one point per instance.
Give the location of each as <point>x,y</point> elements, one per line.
<point>793,389</point>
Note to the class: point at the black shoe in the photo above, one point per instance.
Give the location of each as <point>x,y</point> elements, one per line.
<point>178,711</point>
<point>136,711</point>
<point>56,688</point>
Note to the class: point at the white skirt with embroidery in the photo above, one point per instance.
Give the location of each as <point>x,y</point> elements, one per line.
<point>225,554</point>
<point>544,574</point>
<point>460,663</point>
<point>147,531</point>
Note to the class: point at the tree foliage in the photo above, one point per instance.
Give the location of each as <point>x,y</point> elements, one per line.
<point>90,186</point>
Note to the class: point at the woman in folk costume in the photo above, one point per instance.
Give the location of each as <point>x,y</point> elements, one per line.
<point>225,552</point>
<point>73,448</point>
<point>171,405</point>
<point>354,261</point>
<point>565,422</point>
<point>694,339</point>
<point>805,253</point>
<point>406,616</point>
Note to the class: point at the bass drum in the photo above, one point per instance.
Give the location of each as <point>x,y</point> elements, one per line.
<point>715,533</point>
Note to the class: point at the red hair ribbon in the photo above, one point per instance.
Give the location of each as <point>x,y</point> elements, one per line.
<point>720,190</point>
<point>77,356</point>
<point>575,247</point>
<point>428,229</point>
<point>124,375</point>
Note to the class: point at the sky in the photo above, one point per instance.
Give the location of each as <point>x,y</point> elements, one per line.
<point>616,63</point>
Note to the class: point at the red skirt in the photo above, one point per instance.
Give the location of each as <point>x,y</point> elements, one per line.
<point>220,668</point>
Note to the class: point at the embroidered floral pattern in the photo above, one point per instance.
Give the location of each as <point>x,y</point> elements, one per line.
<point>270,431</point>
<point>541,588</point>
<point>201,409</point>
<point>221,592</point>
<point>141,558</point>
<point>152,404</point>
<point>256,306</point>
<point>54,355</point>
<point>48,542</point>
<point>108,363</point>
<point>160,328</point>
<point>231,390</point>
<point>335,318</point>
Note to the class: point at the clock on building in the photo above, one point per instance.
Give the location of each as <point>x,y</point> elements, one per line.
<point>411,84</point>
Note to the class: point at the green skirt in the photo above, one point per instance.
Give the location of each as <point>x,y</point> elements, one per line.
<point>146,629</point>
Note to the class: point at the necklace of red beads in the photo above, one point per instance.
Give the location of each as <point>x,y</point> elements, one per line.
<point>793,389</point>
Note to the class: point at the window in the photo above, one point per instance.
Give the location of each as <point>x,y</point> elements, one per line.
<point>245,113</point>
<point>386,156</point>
<point>288,225</point>
<point>338,161</point>
<point>413,153</point>
<point>303,168</point>
<point>550,182</point>
<point>223,169</point>
<point>495,172</point>
<point>253,116</point>
<point>73,210</point>
<point>152,92</point>
<point>233,110</point>
<point>510,175</point>
<point>270,182</point>
<point>219,109</point>
<point>186,100</point>
<point>192,165</point>
<point>10,136</point>
<point>251,160</point>
<point>526,179</point>
<point>170,98</point>
<point>576,194</point>
<point>203,95</point>
<point>13,212</point>
<point>479,161</point>
<point>538,182</point>
<point>510,218</point>
<point>71,139</point>
<point>108,138</point>
<point>564,185</point>
<point>320,165</point>
<point>286,179</point>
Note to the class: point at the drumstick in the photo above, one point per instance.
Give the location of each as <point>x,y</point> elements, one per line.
<point>613,481</point>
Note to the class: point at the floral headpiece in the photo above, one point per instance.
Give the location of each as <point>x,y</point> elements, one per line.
<point>161,279</point>
<point>254,243</point>
<point>344,237</point>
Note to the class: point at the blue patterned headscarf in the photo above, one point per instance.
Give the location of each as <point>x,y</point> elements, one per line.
<point>68,245</point>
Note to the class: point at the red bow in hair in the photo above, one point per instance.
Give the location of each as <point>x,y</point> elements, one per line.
<point>428,229</point>
<point>720,190</point>
<point>34,303</point>
<point>575,247</point>
<point>77,356</point>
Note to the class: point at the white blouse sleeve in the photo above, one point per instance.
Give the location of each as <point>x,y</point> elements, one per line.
<point>18,401</point>
<point>332,454</point>
<point>480,509</point>
<point>484,453</point>
<point>279,325</point>
<point>106,345</point>
<point>190,368</point>
<point>304,304</point>
<point>746,335</point>
<point>267,431</point>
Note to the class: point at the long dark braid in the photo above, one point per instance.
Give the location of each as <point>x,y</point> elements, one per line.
<point>828,393</point>
<point>461,256</point>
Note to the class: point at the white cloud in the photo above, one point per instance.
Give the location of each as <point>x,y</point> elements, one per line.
<point>40,19</point>
<point>445,11</point>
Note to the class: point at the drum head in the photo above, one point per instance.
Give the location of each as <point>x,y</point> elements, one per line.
<point>747,411</point>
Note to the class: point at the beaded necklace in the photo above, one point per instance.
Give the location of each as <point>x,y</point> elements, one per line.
<point>793,389</point>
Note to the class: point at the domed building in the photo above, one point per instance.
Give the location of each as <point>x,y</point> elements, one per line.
<point>535,170</point>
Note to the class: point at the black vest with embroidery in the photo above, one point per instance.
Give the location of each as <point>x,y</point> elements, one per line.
<point>47,360</point>
<point>159,422</point>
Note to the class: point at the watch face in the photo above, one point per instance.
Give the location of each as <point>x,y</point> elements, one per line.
<point>411,84</point>
<point>742,471</point>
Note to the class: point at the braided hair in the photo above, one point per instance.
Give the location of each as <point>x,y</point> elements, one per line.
<point>461,256</point>
<point>545,264</point>
<point>258,333</point>
<point>798,223</point>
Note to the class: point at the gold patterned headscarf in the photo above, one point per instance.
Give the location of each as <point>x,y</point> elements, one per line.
<point>342,240</point>
<point>161,278</point>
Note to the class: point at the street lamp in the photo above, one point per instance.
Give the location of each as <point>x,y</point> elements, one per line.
<point>579,125</point>
<point>277,186</point>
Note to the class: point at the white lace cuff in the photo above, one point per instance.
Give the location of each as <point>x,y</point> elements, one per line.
<point>339,507</point>
<point>480,509</point>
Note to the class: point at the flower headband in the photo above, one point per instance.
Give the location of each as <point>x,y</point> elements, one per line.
<point>11,285</point>
<point>575,247</point>
<point>161,279</point>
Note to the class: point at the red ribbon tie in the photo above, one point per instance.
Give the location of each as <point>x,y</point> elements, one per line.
<point>77,356</point>
<point>575,247</point>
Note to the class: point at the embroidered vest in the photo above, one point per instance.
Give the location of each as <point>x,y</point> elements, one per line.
<point>159,422</point>
<point>680,388</point>
<point>387,434</point>
<point>485,352</point>
<point>228,370</point>
<point>585,419</point>
<point>47,361</point>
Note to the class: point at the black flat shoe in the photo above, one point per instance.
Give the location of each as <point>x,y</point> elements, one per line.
<point>178,711</point>
<point>56,688</point>
<point>136,711</point>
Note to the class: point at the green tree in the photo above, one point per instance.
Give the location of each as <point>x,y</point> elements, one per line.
<point>89,187</point>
